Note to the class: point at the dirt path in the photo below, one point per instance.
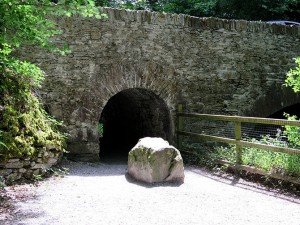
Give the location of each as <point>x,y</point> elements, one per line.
<point>100,193</point>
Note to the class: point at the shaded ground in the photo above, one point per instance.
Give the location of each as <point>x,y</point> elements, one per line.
<point>101,193</point>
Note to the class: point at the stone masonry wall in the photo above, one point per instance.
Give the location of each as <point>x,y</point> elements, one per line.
<point>209,65</point>
<point>15,169</point>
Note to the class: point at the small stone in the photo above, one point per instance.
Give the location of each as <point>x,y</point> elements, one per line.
<point>39,160</point>
<point>49,147</point>
<point>22,170</point>
<point>52,161</point>
<point>36,172</point>
<point>26,163</point>
<point>5,172</point>
<point>28,174</point>
<point>13,160</point>
<point>14,165</point>
<point>39,166</point>
<point>13,177</point>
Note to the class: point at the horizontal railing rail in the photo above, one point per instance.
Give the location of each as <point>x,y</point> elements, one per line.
<point>237,140</point>
<point>242,119</point>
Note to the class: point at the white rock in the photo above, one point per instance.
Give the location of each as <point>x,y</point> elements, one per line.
<point>154,160</point>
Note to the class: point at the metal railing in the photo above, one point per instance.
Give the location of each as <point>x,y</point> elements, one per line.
<point>237,140</point>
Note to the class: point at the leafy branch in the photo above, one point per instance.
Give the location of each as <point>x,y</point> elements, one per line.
<point>293,77</point>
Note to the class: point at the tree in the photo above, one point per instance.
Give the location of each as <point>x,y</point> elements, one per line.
<point>25,128</point>
<point>230,9</point>
<point>191,7</point>
<point>153,5</point>
<point>258,9</point>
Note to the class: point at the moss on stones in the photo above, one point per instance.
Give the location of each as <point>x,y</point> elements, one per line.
<point>26,129</point>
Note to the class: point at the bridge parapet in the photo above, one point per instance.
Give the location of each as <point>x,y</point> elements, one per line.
<point>210,65</point>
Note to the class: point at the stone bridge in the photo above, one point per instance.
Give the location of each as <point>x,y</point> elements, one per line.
<point>130,71</point>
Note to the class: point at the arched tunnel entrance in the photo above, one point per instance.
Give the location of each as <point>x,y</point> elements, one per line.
<point>257,131</point>
<point>291,110</point>
<point>130,115</point>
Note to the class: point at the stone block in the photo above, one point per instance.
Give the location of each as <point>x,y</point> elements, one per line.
<point>13,160</point>
<point>5,172</point>
<point>52,161</point>
<point>26,163</point>
<point>28,174</point>
<point>22,170</point>
<point>13,177</point>
<point>39,160</point>
<point>14,165</point>
<point>40,166</point>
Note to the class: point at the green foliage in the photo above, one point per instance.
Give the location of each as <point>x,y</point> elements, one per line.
<point>37,177</point>
<point>2,184</point>
<point>100,129</point>
<point>131,4</point>
<point>26,129</point>
<point>26,22</point>
<point>59,172</point>
<point>2,143</point>
<point>269,161</point>
<point>191,7</point>
<point>232,9</point>
<point>258,9</point>
<point>293,77</point>
<point>293,133</point>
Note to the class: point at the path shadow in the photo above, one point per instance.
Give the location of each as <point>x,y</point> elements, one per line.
<point>109,167</point>
<point>22,217</point>
<point>237,181</point>
<point>132,180</point>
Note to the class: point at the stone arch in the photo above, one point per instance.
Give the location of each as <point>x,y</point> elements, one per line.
<point>149,75</point>
<point>275,99</point>
<point>145,79</point>
<point>83,120</point>
<point>132,114</point>
<point>293,110</point>
<point>273,105</point>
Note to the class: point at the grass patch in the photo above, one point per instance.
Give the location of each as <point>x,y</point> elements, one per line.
<point>266,160</point>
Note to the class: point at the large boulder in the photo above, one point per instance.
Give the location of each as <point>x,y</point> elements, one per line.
<point>154,160</point>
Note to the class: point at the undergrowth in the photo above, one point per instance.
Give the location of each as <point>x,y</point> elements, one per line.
<point>26,129</point>
<point>268,161</point>
<point>208,154</point>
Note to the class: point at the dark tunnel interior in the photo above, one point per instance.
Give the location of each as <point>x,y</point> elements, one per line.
<point>130,115</point>
<point>259,130</point>
<point>292,110</point>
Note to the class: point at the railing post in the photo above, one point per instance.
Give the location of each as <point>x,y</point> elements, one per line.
<point>238,136</point>
<point>179,126</point>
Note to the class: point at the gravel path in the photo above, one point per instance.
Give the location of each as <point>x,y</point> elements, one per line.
<point>100,193</point>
